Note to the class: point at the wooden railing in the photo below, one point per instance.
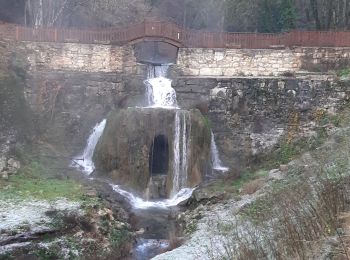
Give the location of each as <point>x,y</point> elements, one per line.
<point>168,32</point>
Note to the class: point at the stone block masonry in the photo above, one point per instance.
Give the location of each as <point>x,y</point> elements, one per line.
<point>190,61</point>
<point>262,62</point>
<point>80,57</point>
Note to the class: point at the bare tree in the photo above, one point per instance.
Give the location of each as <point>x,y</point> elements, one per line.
<point>44,13</point>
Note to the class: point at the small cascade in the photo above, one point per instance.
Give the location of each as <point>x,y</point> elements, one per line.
<point>139,203</point>
<point>159,90</point>
<point>157,71</point>
<point>216,162</point>
<point>85,160</point>
<point>176,161</point>
<point>185,145</point>
<point>180,162</point>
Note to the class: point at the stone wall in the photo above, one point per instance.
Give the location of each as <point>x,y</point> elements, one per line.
<point>80,57</point>
<point>249,116</point>
<point>71,87</point>
<point>267,62</point>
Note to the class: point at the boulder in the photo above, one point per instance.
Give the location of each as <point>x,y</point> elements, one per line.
<point>3,164</point>
<point>4,175</point>
<point>13,166</point>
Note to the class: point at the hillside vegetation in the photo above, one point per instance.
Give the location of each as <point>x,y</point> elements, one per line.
<point>229,15</point>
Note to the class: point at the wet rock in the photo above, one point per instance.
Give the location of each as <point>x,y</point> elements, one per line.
<point>275,174</point>
<point>140,232</point>
<point>203,196</point>
<point>157,187</point>
<point>3,164</point>
<point>106,213</point>
<point>126,150</point>
<point>4,175</point>
<point>13,166</point>
<point>284,168</point>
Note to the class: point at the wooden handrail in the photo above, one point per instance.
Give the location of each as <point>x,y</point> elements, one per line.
<point>176,35</point>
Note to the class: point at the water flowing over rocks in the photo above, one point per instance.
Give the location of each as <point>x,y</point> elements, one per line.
<point>125,148</point>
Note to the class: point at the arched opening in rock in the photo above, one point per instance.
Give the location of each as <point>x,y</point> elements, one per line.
<point>159,156</point>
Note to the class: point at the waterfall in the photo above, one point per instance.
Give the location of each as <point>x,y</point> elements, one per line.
<point>140,203</point>
<point>216,162</point>
<point>185,145</point>
<point>157,71</point>
<point>180,162</point>
<point>159,90</point>
<point>176,161</point>
<point>84,161</point>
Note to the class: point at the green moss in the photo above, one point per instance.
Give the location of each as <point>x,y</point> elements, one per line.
<point>37,182</point>
<point>46,254</point>
<point>13,108</point>
<point>207,122</point>
<point>287,152</point>
<point>6,256</point>
<point>233,186</point>
<point>191,227</point>
<point>247,177</point>
<point>343,73</point>
<point>118,236</point>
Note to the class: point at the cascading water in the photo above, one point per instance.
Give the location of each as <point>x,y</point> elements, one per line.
<point>85,160</point>
<point>216,162</point>
<point>160,95</point>
<point>186,143</point>
<point>159,90</point>
<point>139,203</point>
<point>180,165</point>
<point>176,161</point>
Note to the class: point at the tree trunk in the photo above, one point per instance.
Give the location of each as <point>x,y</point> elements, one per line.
<point>314,9</point>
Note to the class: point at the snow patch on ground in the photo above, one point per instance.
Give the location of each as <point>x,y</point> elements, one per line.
<point>202,239</point>
<point>14,214</point>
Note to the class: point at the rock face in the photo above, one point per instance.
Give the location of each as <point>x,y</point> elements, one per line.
<point>138,143</point>
<point>249,116</point>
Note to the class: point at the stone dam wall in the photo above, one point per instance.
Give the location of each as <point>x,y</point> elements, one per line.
<point>71,87</point>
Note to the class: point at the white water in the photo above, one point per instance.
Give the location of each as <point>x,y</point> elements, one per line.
<point>160,94</point>
<point>180,162</point>
<point>140,203</point>
<point>157,71</point>
<point>159,90</point>
<point>145,247</point>
<point>176,161</point>
<point>84,161</point>
<point>217,164</point>
<point>185,145</point>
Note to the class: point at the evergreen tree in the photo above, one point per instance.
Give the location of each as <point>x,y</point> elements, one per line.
<point>269,17</point>
<point>288,15</point>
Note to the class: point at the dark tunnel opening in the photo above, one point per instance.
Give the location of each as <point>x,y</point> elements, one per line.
<point>159,156</point>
